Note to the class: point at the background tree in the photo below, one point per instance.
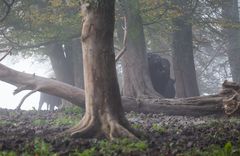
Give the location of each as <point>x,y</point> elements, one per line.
<point>136,77</point>
<point>183,61</point>
<point>230,13</point>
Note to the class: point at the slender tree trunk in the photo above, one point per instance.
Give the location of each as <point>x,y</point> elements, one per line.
<point>104,114</point>
<point>136,76</point>
<point>232,33</point>
<point>183,60</point>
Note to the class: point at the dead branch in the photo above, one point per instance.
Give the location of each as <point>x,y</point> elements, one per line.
<point>24,98</point>
<point>5,55</point>
<point>122,51</point>
<point>19,46</point>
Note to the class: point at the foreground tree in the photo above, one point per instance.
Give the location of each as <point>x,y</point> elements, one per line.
<point>104,115</point>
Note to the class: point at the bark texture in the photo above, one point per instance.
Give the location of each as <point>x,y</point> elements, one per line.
<point>183,60</point>
<point>136,76</point>
<point>232,33</point>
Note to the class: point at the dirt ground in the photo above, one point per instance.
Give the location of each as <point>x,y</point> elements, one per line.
<point>166,135</point>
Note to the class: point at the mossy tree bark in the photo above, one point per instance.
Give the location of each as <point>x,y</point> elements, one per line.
<point>104,115</point>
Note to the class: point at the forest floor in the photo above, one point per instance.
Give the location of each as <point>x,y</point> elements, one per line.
<point>34,133</point>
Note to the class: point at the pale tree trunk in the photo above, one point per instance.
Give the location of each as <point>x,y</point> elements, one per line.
<point>104,116</point>
<point>136,76</point>
<point>183,60</point>
<point>232,32</point>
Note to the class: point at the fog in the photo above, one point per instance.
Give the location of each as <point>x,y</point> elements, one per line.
<point>29,65</point>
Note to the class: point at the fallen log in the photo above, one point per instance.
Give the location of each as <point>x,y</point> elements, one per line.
<point>226,101</point>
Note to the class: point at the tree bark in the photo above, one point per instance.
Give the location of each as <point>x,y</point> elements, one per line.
<point>183,60</point>
<point>232,32</point>
<point>136,76</point>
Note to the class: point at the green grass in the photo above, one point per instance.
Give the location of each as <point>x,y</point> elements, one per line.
<point>37,148</point>
<point>158,129</point>
<point>4,123</point>
<point>66,120</point>
<point>40,122</point>
<point>214,150</point>
<point>109,148</point>
<point>73,110</point>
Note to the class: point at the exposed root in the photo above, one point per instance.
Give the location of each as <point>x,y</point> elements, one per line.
<point>117,130</point>
<point>92,127</point>
<point>232,104</point>
<point>232,97</point>
<point>86,120</point>
<point>85,130</point>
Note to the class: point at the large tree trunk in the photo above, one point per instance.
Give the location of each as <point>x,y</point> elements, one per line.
<point>62,65</point>
<point>194,106</point>
<point>104,115</point>
<point>232,32</point>
<point>136,77</point>
<point>183,60</point>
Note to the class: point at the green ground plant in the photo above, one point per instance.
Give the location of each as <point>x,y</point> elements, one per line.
<point>214,150</point>
<point>159,129</point>
<point>115,147</point>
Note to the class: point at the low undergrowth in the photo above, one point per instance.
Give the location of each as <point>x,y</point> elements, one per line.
<point>214,150</point>
<point>34,133</point>
<point>104,147</point>
<point>36,148</point>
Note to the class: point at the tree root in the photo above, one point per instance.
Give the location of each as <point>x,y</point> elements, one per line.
<point>117,130</point>
<point>90,127</point>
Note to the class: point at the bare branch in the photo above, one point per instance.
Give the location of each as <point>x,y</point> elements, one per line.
<point>5,55</point>
<point>25,97</point>
<point>122,51</point>
<point>37,45</point>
